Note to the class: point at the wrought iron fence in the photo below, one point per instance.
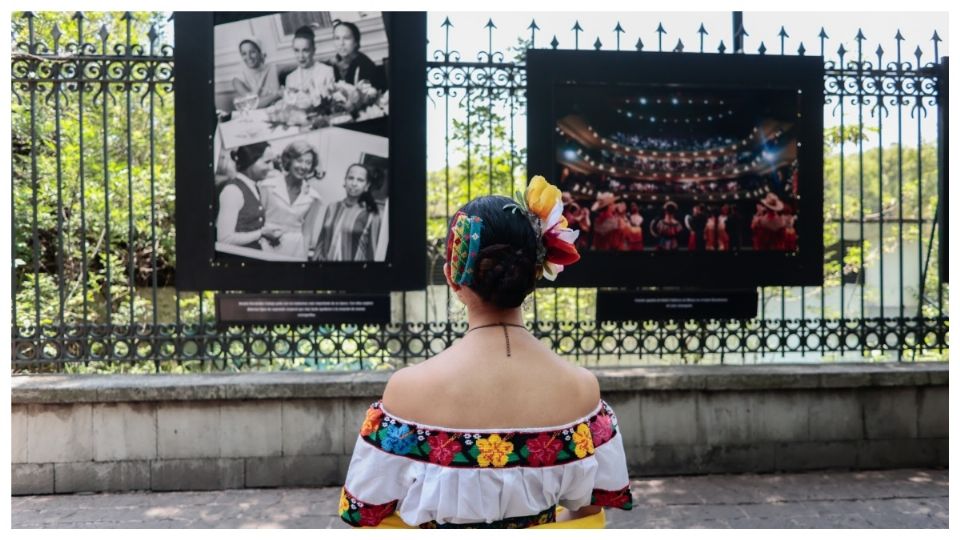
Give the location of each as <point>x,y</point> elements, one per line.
<point>92,217</point>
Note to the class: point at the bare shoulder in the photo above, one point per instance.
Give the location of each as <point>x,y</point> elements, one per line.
<point>589,387</point>
<point>403,395</point>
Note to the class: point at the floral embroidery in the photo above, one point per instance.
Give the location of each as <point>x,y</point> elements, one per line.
<point>372,421</point>
<point>602,429</point>
<point>396,439</point>
<point>543,450</point>
<point>372,514</point>
<point>493,451</point>
<point>443,448</point>
<point>621,498</point>
<point>520,522</point>
<point>583,441</point>
<point>504,449</point>
<point>357,513</point>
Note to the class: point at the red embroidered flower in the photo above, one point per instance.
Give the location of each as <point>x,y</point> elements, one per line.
<point>543,450</point>
<point>443,448</point>
<point>613,499</point>
<point>602,429</point>
<point>372,514</point>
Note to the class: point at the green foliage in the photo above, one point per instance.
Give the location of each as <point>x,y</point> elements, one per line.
<point>83,219</point>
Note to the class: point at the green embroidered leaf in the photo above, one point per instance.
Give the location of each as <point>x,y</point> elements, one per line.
<point>460,458</point>
<point>474,451</point>
<point>513,457</point>
<point>524,451</point>
<point>563,455</point>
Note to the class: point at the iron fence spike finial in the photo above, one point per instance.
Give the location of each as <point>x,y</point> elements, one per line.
<point>702,30</point>
<point>823,34</point>
<point>841,51</point>
<point>722,48</point>
<point>554,43</point>
<point>860,36</point>
<point>152,33</point>
<point>899,36</point>
<point>918,53</point>
<point>801,49</point>
<point>679,47</point>
<point>783,32</point>
<point>127,16</point>
<point>533,25</point>
<point>490,24</point>
<point>597,44</point>
<point>618,28</point>
<point>879,51</point>
<point>936,37</point>
<point>639,44</point>
<point>762,49</point>
<point>446,23</point>
<point>103,33</point>
<point>77,15</point>
<point>28,15</point>
<point>55,32</point>
<point>660,29</point>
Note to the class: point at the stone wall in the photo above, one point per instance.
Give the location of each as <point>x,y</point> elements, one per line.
<point>222,431</point>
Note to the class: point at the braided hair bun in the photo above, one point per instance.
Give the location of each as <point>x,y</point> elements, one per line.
<point>505,267</point>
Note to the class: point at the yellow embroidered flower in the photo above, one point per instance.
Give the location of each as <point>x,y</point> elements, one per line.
<point>494,451</point>
<point>584,441</point>
<point>542,197</point>
<point>344,503</point>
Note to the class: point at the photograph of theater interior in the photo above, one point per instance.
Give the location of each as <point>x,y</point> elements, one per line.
<point>679,169</point>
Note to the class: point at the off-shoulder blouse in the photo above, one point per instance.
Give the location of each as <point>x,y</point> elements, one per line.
<point>433,476</point>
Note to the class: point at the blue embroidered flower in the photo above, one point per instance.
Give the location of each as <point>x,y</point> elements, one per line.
<point>394,441</point>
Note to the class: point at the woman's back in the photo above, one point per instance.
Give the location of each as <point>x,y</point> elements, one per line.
<point>483,388</point>
<point>497,431</point>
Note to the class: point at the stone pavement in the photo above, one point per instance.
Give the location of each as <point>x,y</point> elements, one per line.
<point>908,498</point>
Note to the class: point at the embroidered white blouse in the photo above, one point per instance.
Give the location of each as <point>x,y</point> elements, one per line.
<point>433,476</point>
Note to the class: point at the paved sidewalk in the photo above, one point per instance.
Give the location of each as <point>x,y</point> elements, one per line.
<point>908,498</point>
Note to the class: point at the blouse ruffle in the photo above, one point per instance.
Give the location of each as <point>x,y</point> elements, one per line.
<point>434,474</point>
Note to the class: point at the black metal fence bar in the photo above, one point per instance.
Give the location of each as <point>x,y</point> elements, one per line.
<point>75,308</point>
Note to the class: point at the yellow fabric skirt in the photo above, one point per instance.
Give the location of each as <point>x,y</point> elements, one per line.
<point>594,521</point>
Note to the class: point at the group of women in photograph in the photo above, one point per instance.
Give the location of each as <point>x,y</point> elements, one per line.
<point>273,204</point>
<point>310,80</point>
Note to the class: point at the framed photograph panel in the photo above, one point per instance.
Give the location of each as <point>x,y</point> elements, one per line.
<point>301,159</point>
<point>685,170</point>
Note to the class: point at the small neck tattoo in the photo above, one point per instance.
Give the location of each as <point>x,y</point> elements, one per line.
<point>506,336</point>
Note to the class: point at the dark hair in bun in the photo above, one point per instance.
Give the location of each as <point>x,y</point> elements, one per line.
<point>247,155</point>
<point>505,267</point>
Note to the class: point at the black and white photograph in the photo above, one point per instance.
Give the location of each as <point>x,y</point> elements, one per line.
<point>301,151</point>
<point>320,196</point>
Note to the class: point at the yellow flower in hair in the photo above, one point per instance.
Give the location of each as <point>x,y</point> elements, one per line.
<point>537,184</point>
<point>542,197</point>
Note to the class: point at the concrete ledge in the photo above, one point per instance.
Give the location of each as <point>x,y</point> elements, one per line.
<point>224,431</point>
<point>369,384</point>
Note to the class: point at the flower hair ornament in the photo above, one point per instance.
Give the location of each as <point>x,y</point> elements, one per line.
<point>543,205</point>
<point>463,243</point>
